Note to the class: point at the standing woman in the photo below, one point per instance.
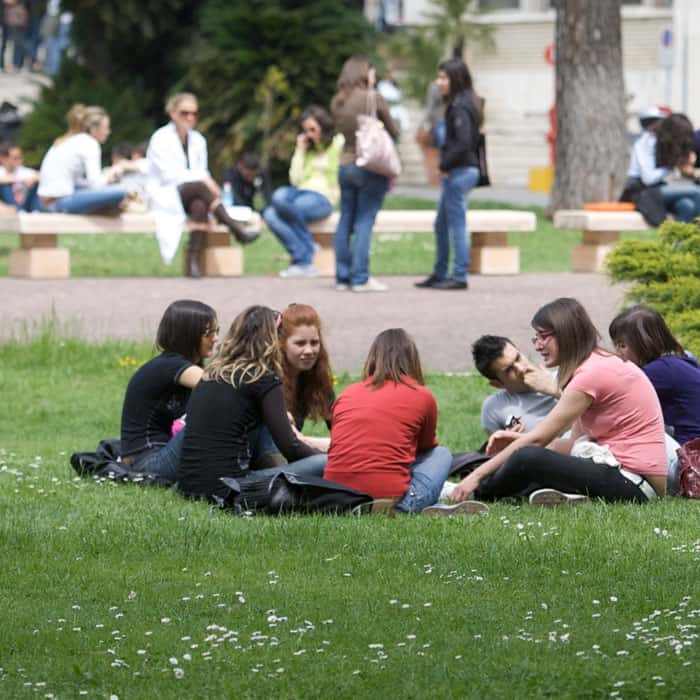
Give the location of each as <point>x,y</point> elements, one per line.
<point>71,179</point>
<point>603,398</point>
<point>307,378</point>
<point>179,183</point>
<point>313,191</point>
<point>158,392</point>
<point>241,389</point>
<point>459,173</point>
<point>641,336</point>
<point>361,191</point>
<point>383,440</point>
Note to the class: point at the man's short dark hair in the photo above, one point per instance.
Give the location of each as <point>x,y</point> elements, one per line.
<point>5,148</point>
<point>486,350</point>
<point>250,160</point>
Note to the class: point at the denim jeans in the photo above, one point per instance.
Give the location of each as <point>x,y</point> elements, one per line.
<point>428,474</point>
<point>88,201</point>
<point>161,461</point>
<point>682,200</point>
<point>439,129</point>
<point>286,216</point>
<point>262,444</point>
<point>361,197</point>
<point>31,199</point>
<point>450,223</point>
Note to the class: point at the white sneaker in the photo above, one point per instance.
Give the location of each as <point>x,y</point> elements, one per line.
<point>300,271</point>
<point>447,488</point>
<point>548,498</point>
<point>342,287</point>
<point>461,508</point>
<point>371,285</point>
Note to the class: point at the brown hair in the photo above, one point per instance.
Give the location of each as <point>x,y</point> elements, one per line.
<point>314,387</point>
<point>393,356</point>
<point>644,330</point>
<point>576,335</point>
<point>674,141</point>
<point>249,350</point>
<point>181,329</point>
<point>323,119</point>
<point>354,74</point>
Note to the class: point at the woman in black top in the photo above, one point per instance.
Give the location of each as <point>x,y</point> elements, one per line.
<point>158,392</point>
<point>459,173</point>
<point>308,382</point>
<point>241,389</point>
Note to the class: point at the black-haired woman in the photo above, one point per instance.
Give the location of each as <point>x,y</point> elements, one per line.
<point>459,168</point>
<point>313,191</point>
<point>158,392</point>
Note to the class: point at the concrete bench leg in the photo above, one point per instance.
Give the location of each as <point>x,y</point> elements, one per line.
<point>39,258</point>
<point>219,258</point>
<point>590,257</point>
<point>491,254</point>
<point>324,260</point>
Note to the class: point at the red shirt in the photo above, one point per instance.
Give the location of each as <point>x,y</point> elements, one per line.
<point>376,433</point>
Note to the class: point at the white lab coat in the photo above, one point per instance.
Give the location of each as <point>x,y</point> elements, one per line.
<point>167,169</point>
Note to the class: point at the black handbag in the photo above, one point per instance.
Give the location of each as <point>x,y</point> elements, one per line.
<point>464,463</point>
<point>484,179</point>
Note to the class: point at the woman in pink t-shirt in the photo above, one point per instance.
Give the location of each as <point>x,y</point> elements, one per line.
<point>602,398</point>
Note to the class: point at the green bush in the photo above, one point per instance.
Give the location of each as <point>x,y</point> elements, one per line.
<point>667,276</point>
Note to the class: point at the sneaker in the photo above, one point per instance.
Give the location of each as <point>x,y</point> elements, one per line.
<point>342,287</point>
<point>300,270</point>
<point>427,282</point>
<point>371,285</point>
<point>450,283</point>
<point>447,488</point>
<point>461,508</point>
<point>383,506</point>
<point>551,497</point>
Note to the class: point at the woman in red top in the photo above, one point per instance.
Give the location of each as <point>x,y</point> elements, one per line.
<point>383,429</point>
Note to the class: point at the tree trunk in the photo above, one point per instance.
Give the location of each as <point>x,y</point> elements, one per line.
<point>592,151</point>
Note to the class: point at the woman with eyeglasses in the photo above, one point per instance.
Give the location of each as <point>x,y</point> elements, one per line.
<point>158,392</point>
<point>312,193</point>
<point>240,391</point>
<point>307,379</point>
<point>616,450</point>
<point>179,183</point>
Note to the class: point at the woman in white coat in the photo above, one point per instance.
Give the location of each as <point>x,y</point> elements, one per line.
<point>179,183</point>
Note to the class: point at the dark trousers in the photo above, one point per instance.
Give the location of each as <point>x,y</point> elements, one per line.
<point>537,467</point>
<point>196,199</point>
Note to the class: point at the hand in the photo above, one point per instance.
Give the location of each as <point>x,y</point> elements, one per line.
<point>302,141</point>
<point>465,488</point>
<point>500,440</point>
<point>31,180</point>
<point>540,379</point>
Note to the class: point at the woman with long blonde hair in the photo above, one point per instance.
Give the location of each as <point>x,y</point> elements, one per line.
<point>240,391</point>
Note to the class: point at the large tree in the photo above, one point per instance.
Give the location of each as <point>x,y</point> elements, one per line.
<point>592,149</point>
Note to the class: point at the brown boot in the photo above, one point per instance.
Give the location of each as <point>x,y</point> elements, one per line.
<point>237,230</point>
<point>194,250</point>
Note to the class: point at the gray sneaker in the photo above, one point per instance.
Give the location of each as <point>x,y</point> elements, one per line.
<point>300,271</point>
<point>461,508</point>
<point>549,498</point>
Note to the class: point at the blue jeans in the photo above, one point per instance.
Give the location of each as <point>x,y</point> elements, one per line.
<point>439,130</point>
<point>428,474</point>
<point>161,461</point>
<point>88,201</point>
<point>682,200</point>
<point>31,199</point>
<point>261,443</point>
<point>361,197</point>
<point>286,216</point>
<point>450,223</point>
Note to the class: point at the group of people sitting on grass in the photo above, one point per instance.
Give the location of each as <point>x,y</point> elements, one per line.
<point>590,423</point>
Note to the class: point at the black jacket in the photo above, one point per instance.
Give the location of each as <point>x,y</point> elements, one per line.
<point>461,134</point>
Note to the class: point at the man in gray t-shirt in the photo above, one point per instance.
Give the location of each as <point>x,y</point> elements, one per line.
<point>527,393</point>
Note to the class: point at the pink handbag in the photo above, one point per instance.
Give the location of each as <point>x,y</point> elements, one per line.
<point>689,456</point>
<point>374,148</point>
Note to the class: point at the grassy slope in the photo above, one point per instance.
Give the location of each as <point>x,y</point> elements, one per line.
<point>108,589</point>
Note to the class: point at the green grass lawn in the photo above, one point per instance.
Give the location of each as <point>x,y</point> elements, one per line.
<point>120,591</point>
<point>545,250</point>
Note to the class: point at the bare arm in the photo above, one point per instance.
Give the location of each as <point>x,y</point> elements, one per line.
<point>571,406</point>
<point>191,376</point>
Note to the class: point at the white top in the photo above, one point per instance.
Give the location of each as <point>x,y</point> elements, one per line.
<point>75,163</point>
<point>20,173</point>
<point>643,163</point>
<point>168,164</point>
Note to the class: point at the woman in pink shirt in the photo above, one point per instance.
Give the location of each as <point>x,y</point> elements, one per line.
<point>603,400</point>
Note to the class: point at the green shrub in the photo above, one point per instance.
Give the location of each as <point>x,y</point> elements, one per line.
<point>667,276</point>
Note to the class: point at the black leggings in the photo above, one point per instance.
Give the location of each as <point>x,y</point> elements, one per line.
<point>532,467</point>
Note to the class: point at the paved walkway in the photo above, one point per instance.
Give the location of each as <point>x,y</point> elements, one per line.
<point>442,323</point>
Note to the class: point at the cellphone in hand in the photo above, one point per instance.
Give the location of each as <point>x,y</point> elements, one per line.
<point>512,422</point>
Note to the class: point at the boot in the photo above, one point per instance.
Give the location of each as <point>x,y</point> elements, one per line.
<point>194,250</point>
<point>241,235</point>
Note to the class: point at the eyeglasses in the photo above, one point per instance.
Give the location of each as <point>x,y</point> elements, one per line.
<point>541,337</point>
<point>188,112</point>
<point>211,331</point>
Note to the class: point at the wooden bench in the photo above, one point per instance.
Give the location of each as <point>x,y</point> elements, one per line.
<point>490,252</point>
<point>601,231</point>
<point>39,256</point>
